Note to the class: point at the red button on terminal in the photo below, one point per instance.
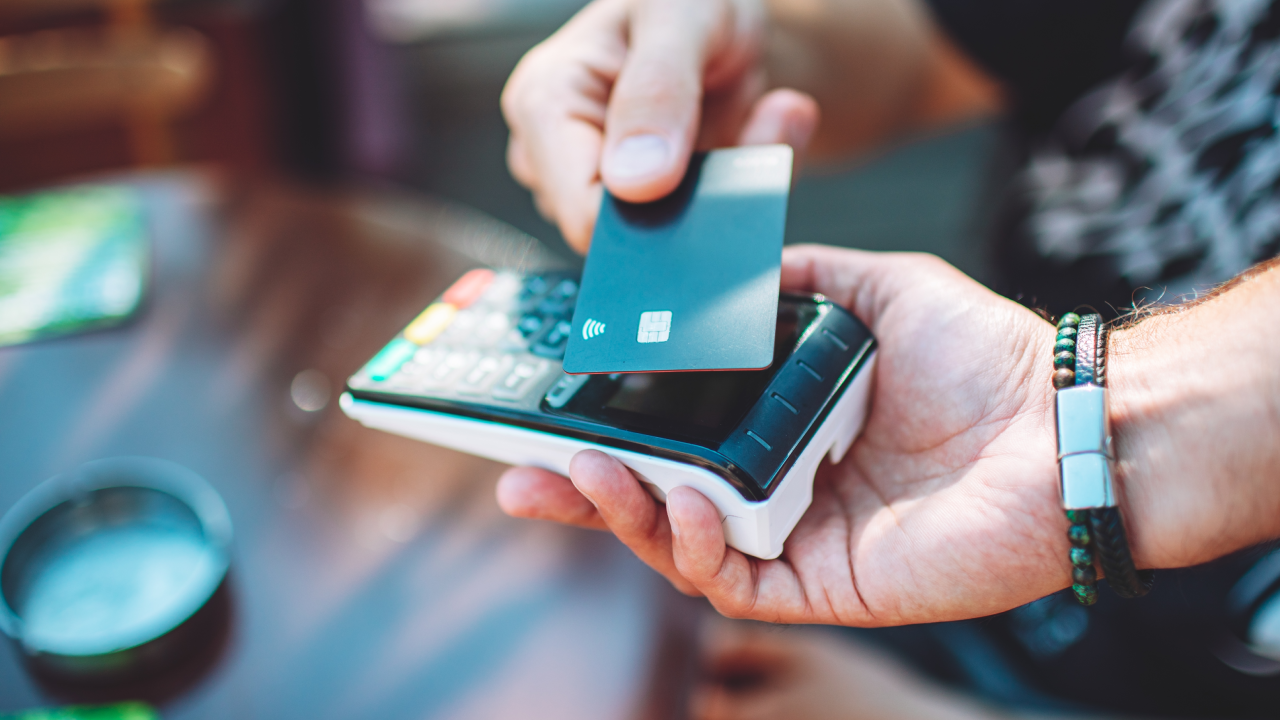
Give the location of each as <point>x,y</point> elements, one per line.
<point>468,288</point>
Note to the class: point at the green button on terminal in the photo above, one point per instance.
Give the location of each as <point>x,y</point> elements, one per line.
<point>386,363</point>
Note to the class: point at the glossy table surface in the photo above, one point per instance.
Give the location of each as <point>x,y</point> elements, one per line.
<point>372,576</point>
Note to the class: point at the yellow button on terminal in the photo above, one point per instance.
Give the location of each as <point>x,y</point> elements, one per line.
<point>428,326</point>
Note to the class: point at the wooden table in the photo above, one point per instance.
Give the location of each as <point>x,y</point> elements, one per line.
<point>373,576</point>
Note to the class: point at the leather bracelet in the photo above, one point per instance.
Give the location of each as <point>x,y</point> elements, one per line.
<point>1111,543</point>
<point>1084,462</point>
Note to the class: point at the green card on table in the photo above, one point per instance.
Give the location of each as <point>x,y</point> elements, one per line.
<point>120,711</point>
<point>70,259</point>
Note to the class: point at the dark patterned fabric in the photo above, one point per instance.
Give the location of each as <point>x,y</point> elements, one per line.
<point>1046,53</point>
<point>1163,181</point>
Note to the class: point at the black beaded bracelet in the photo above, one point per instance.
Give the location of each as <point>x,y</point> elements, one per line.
<point>1096,529</point>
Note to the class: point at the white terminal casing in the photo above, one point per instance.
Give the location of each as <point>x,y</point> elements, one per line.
<point>757,528</point>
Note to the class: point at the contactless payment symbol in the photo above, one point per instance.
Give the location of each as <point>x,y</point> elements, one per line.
<point>591,328</point>
<point>655,326</point>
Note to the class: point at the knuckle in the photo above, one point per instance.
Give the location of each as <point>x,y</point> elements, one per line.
<point>525,78</point>
<point>733,601</point>
<point>686,588</point>
<point>509,100</point>
<point>507,103</point>
<point>729,608</point>
<point>644,527</point>
<point>928,262</point>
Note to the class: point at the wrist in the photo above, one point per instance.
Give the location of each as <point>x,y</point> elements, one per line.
<point>1195,422</point>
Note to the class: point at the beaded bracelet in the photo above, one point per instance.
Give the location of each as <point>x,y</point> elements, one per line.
<point>1084,448</point>
<point>1084,578</point>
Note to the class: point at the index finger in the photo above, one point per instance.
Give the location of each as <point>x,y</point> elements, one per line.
<point>629,511</point>
<point>554,103</point>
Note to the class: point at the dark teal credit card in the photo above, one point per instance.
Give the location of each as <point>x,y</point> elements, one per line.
<point>689,282</point>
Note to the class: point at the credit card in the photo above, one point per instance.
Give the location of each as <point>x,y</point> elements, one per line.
<point>689,282</point>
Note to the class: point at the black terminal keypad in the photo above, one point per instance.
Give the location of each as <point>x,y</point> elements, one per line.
<point>491,336</point>
<point>553,343</point>
<point>481,378</point>
<point>517,383</point>
<point>529,325</point>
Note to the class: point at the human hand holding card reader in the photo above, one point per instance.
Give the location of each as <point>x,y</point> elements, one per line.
<point>481,370</point>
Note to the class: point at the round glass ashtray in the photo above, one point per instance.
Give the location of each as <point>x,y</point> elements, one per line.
<point>101,566</point>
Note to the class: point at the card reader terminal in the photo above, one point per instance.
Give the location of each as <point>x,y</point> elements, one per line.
<point>479,370</point>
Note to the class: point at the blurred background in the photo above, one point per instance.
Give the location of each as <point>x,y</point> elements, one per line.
<point>225,207</point>
<point>396,92</point>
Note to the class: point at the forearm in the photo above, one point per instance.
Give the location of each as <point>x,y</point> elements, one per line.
<point>1195,407</point>
<point>878,68</point>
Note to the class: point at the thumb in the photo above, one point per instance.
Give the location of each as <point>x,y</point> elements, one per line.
<point>867,282</point>
<point>655,105</point>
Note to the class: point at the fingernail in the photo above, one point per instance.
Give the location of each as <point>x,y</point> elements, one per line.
<point>637,156</point>
<point>675,526</point>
